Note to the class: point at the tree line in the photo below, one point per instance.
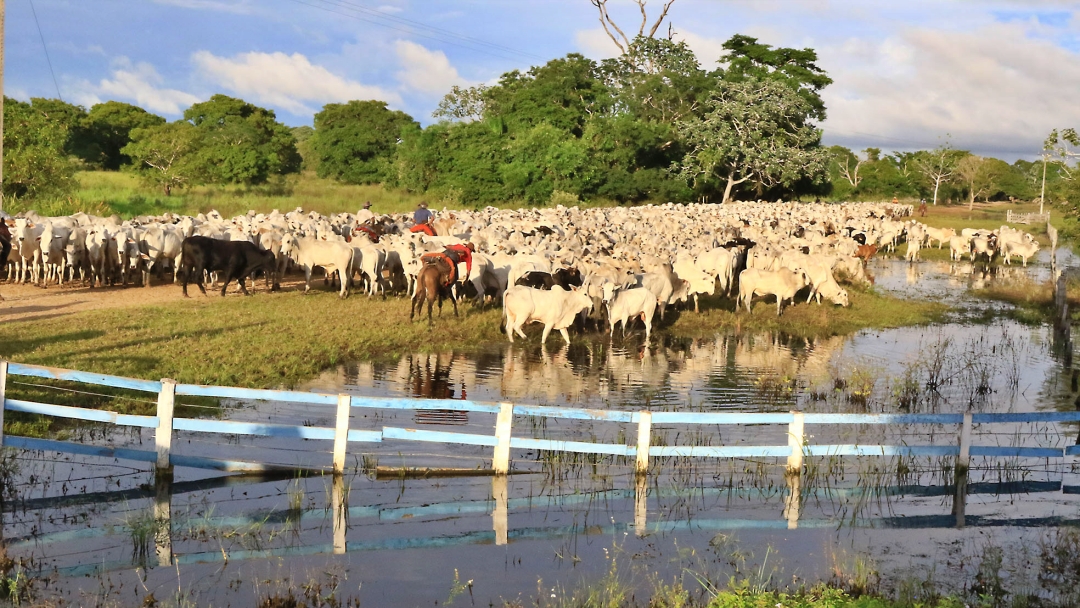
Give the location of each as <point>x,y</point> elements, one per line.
<point>651,124</point>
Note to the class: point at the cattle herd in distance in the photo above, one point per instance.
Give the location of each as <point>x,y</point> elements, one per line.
<point>554,266</point>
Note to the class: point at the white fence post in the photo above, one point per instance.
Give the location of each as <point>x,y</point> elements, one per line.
<point>644,441</point>
<point>163,436</point>
<point>795,441</point>
<point>964,460</point>
<point>501,458</point>
<point>341,433</point>
<point>3,395</point>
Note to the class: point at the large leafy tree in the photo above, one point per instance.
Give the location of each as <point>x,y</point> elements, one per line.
<point>80,142</point>
<point>354,142</point>
<point>36,161</point>
<point>241,143</point>
<point>167,155</point>
<point>110,125</point>
<point>754,131</point>
<point>747,58</point>
<point>563,93</point>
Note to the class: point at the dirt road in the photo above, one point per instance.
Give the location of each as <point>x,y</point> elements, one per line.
<point>28,302</point>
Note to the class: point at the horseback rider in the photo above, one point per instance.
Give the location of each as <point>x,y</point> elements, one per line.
<point>461,253</point>
<point>422,220</point>
<point>451,256</point>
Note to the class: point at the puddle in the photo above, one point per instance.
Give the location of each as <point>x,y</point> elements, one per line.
<point>94,527</point>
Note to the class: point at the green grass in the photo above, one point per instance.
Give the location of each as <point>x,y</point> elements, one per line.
<point>820,597</point>
<point>275,340</point>
<point>107,192</point>
<point>868,310</point>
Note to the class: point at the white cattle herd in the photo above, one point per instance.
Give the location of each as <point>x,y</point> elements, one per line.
<point>631,261</point>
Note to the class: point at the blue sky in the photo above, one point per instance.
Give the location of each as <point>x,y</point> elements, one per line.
<point>993,77</point>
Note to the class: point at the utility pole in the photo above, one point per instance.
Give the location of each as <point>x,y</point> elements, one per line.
<point>1042,195</point>
<point>1,104</point>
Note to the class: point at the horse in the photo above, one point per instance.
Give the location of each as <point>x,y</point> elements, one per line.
<point>432,283</point>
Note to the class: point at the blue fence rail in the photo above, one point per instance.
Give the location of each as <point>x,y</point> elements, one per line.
<point>502,440</point>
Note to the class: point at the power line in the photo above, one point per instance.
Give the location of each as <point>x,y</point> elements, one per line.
<point>44,46</point>
<point>376,13</point>
<point>408,30</point>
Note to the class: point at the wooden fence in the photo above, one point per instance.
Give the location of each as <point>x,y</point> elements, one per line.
<point>1026,218</point>
<point>502,440</point>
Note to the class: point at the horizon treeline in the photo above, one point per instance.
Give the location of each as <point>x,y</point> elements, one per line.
<point>650,125</point>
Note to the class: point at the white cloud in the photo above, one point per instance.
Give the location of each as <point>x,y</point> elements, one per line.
<point>289,82</point>
<point>993,89</point>
<point>386,8</point>
<point>425,71</point>
<point>137,82</point>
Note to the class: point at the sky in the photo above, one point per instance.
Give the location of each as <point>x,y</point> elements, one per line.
<point>992,77</point>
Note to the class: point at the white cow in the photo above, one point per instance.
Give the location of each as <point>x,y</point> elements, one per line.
<point>626,304</point>
<point>332,256</point>
<point>556,309</point>
<point>783,284</point>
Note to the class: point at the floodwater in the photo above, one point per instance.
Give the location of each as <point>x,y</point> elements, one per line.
<point>101,531</point>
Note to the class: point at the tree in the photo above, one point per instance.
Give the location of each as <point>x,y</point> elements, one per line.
<point>657,80</point>
<point>754,130</point>
<point>747,58</point>
<point>36,162</point>
<point>81,142</point>
<point>848,164</point>
<point>462,103</point>
<point>110,125</point>
<point>982,176</point>
<point>166,155</point>
<point>1056,148</point>
<point>354,141</point>
<point>938,165</point>
<point>619,37</point>
<point>302,135</point>
<point>241,143</point>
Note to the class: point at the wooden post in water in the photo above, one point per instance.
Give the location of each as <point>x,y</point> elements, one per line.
<point>337,499</point>
<point>792,503</point>
<point>641,504</point>
<point>964,460</point>
<point>341,433</point>
<point>500,460</point>
<point>3,395</point>
<point>163,518</point>
<point>644,441</point>
<point>796,439</point>
<point>498,514</point>
<point>163,434</point>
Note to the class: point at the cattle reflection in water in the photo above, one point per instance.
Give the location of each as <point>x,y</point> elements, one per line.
<point>716,372</point>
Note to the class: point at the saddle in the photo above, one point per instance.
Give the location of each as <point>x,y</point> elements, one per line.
<point>437,258</point>
<point>374,236</point>
<point>428,230</point>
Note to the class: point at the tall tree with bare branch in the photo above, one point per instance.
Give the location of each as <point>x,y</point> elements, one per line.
<point>617,35</point>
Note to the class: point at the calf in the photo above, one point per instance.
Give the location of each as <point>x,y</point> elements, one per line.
<point>237,259</point>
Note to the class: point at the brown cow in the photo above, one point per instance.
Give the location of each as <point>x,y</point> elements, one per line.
<point>866,252</point>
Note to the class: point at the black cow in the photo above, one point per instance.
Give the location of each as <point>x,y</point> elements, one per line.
<point>563,277</point>
<point>537,280</point>
<point>567,277</point>
<point>237,259</point>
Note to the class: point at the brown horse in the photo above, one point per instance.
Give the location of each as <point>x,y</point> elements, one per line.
<point>433,283</point>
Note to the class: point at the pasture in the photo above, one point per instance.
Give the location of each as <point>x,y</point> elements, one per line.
<point>932,336</point>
